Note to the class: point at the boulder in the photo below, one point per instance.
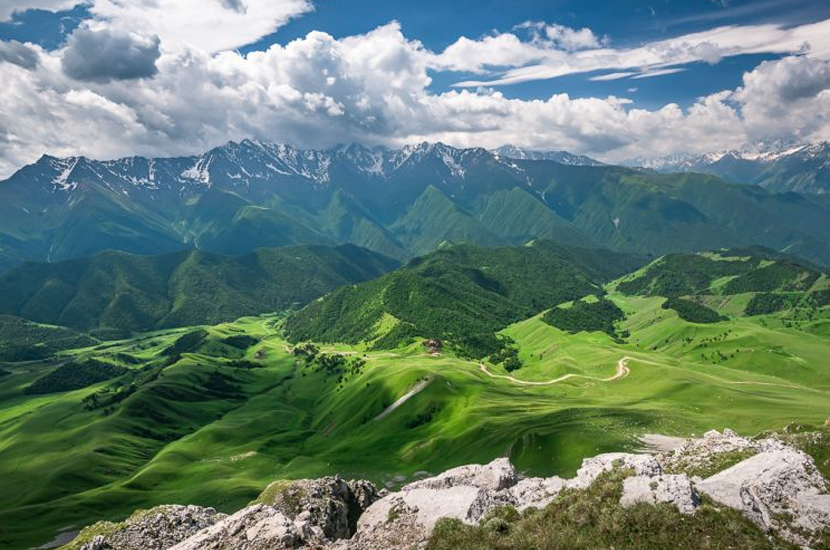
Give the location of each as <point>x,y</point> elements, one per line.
<point>158,528</point>
<point>464,502</point>
<point>671,489</point>
<point>592,468</point>
<point>330,503</point>
<point>536,492</point>
<point>407,518</point>
<point>779,489</point>
<point>495,476</point>
<point>257,527</point>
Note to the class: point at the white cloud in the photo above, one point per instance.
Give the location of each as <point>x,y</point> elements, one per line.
<point>544,61</point>
<point>9,7</point>
<point>374,88</point>
<point>209,25</point>
<point>560,37</point>
<point>788,98</point>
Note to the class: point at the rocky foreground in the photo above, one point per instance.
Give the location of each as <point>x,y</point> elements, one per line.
<point>775,486</point>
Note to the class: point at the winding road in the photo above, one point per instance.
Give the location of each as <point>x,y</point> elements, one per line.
<point>623,370</point>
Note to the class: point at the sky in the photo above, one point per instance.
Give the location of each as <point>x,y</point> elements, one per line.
<point>616,80</point>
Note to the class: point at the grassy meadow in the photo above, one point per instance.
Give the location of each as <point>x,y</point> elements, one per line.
<point>216,421</point>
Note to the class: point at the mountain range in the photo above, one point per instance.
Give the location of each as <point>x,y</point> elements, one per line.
<point>401,203</point>
<point>803,168</point>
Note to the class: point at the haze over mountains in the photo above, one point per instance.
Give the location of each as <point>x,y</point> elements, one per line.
<point>401,203</point>
<point>803,168</point>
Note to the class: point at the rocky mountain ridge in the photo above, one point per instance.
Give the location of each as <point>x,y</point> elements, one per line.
<point>250,160</point>
<point>402,203</point>
<point>775,486</point>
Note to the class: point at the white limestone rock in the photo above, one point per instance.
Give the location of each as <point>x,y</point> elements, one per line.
<point>536,492</point>
<point>774,485</point>
<point>672,489</point>
<point>592,468</point>
<point>497,475</point>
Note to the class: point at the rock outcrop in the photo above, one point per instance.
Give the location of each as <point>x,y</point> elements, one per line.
<point>671,489</point>
<point>780,490</point>
<point>776,486</point>
<point>156,529</point>
<point>469,493</point>
<point>330,504</point>
<point>257,527</point>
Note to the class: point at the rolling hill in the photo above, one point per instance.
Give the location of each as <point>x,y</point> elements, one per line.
<point>212,415</point>
<point>735,282</point>
<point>401,203</point>
<point>463,294</point>
<point>115,293</point>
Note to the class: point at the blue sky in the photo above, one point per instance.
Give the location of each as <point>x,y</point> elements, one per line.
<point>604,77</point>
<point>439,23</point>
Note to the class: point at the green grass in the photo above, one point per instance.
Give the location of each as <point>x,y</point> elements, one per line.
<point>207,431</point>
<point>594,520</point>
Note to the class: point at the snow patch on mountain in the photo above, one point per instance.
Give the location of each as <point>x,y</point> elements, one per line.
<point>66,166</point>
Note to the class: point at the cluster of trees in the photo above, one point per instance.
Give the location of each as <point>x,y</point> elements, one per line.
<point>692,311</point>
<point>332,364</point>
<point>189,343</point>
<point>508,355</point>
<point>75,375</point>
<point>682,275</point>
<point>423,417</point>
<point>582,316</point>
<point>22,340</point>
<point>240,341</point>
<point>767,302</point>
<point>782,275</point>
<point>689,274</point>
<point>109,397</point>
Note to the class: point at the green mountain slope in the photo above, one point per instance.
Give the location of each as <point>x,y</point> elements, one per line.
<point>735,282</point>
<point>463,294</point>
<point>123,292</point>
<point>22,340</point>
<point>404,203</point>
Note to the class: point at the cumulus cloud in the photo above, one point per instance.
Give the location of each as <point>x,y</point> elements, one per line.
<point>18,54</point>
<point>787,98</point>
<point>106,55</point>
<point>373,88</point>
<point>556,36</point>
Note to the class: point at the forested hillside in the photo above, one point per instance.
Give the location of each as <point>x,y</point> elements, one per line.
<point>114,293</point>
<point>463,294</point>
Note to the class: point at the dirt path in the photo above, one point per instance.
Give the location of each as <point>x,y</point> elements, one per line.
<point>266,329</point>
<point>411,393</point>
<point>622,371</point>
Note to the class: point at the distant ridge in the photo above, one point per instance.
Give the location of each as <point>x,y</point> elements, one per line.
<point>779,167</point>
<point>562,157</point>
<point>401,203</point>
<point>114,293</point>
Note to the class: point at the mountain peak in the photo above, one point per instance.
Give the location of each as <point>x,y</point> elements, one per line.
<point>562,157</point>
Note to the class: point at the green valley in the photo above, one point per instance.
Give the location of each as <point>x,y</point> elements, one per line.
<point>211,414</point>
